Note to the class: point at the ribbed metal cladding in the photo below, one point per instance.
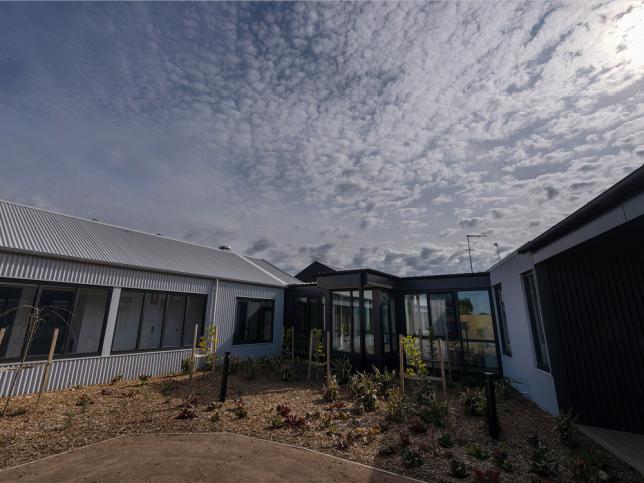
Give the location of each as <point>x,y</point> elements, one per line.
<point>93,370</point>
<point>39,232</point>
<point>13,265</point>
<point>226,309</point>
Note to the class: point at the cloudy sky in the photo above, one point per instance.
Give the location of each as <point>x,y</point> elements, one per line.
<point>360,134</point>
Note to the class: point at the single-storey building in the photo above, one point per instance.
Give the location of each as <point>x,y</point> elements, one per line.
<point>125,302</point>
<point>570,307</point>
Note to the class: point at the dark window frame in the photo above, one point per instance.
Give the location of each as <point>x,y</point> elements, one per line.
<point>353,308</point>
<point>543,365</point>
<point>165,311</point>
<point>263,310</point>
<point>501,315</point>
<point>44,284</point>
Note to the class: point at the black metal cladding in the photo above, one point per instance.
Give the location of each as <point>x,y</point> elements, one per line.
<point>593,302</point>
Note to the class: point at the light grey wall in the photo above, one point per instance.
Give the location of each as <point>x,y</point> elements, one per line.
<point>224,317</point>
<point>536,384</point>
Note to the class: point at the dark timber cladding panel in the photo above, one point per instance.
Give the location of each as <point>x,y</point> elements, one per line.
<point>593,301</point>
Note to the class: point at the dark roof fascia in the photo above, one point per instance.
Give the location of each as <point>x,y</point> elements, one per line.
<point>395,277</point>
<point>621,191</point>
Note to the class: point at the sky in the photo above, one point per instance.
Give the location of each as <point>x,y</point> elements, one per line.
<point>359,134</point>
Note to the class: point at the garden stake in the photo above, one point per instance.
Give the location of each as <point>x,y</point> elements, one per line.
<point>213,355</point>
<point>328,355</point>
<point>194,347</point>
<point>224,378</point>
<point>308,375</point>
<point>402,363</point>
<point>492,418</point>
<point>440,349</point>
<point>47,369</point>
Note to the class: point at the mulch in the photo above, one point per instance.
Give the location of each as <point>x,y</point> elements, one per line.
<point>76,417</point>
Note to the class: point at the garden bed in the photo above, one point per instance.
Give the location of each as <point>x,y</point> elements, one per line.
<point>414,447</point>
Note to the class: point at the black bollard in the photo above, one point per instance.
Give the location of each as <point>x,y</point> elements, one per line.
<point>492,418</point>
<point>224,378</point>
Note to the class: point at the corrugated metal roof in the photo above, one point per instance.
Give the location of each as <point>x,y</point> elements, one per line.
<point>40,232</point>
<point>273,270</point>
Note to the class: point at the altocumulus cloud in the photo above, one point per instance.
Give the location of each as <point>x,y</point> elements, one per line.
<point>361,133</point>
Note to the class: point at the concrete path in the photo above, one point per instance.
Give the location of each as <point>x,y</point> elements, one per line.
<point>629,447</point>
<point>221,457</point>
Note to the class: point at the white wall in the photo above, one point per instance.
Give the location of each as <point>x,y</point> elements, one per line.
<point>536,384</point>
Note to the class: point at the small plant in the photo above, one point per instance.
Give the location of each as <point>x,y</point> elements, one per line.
<point>343,440</point>
<point>405,438</point>
<point>395,408</point>
<point>206,345</point>
<point>212,405</point>
<point>276,422</point>
<point>542,463</point>
<point>500,457</point>
<point>433,409</point>
<point>387,449</point>
<point>445,440</point>
<point>187,365</point>
<point>385,380</point>
<point>143,379</point>
<point>84,401</point>
<point>487,476</point>
<point>411,457</point>
<point>592,469</point>
<point>565,426</point>
<point>116,379</point>
<point>416,364</point>
<point>78,387</point>
<point>342,370</point>
<point>474,402</point>
<point>240,409</point>
<point>331,390</point>
<point>479,453</point>
<point>365,435</point>
<point>188,408</point>
<point>458,469</point>
<point>283,410</point>
<point>296,422</point>
<point>215,417</point>
<point>364,389</point>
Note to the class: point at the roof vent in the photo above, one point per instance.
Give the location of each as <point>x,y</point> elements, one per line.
<point>224,247</point>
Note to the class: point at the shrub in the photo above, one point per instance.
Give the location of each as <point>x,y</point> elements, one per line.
<point>487,476</point>
<point>395,409</point>
<point>277,422</point>
<point>411,457</point>
<point>445,440</point>
<point>500,457</point>
<point>331,390</point>
<point>479,453</point>
<point>458,469</point>
<point>565,427</point>
<point>342,370</point>
<point>187,365</point>
<point>240,409</point>
<point>364,389</point>
<point>116,379</point>
<point>433,410</point>
<point>385,380</point>
<point>416,364</point>
<point>474,402</point>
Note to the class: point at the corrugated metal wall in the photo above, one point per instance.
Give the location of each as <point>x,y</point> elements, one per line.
<point>18,266</point>
<point>225,318</point>
<point>94,370</point>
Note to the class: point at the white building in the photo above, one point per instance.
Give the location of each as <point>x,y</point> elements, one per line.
<point>125,302</point>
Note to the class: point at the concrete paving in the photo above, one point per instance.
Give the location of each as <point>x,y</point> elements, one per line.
<point>221,457</point>
<point>629,447</point>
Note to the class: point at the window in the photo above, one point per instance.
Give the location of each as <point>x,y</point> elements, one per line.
<point>154,320</point>
<point>388,318</point>
<point>346,321</point>
<point>78,313</point>
<point>500,310</point>
<point>536,324</point>
<point>477,329</point>
<point>254,323</point>
<point>443,317</point>
<point>370,347</point>
<point>416,315</point>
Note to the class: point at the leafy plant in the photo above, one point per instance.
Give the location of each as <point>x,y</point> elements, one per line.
<point>240,409</point>
<point>411,457</point>
<point>500,457</point>
<point>331,390</point>
<point>188,408</point>
<point>458,469</point>
<point>445,440</point>
<point>592,469</point>
<point>385,380</point>
<point>565,426</point>
<point>215,417</point>
<point>187,365</point>
<point>84,400</point>
<point>212,405</point>
<point>277,422</point>
<point>364,389</point>
<point>542,462</point>
<point>366,435</point>
<point>116,379</point>
<point>395,408</point>
<point>433,409</point>
<point>479,453</point>
<point>207,344</point>
<point>474,402</point>
<point>416,364</point>
<point>487,476</point>
<point>387,449</point>
<point>343,440</point>
<point>342,370</point>
<point>294,421</point>
<point>283,410</point>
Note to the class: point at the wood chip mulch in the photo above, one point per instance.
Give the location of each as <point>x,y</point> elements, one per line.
<point>80,416</point>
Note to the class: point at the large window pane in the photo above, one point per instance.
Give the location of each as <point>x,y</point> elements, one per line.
<point>442,316</point>
<point>480,355</point>
<point>254,323</point>
<point>152,321</point>
<point>416,315</point>
<point>370,347</point>
<point>127,321</point>
<point>55,306</point>
<point>503,323</point>
<point>87,322</point>
<point>476,315</point>
<point>174,320</point>
<point>388,318</point>
<point>342,321</point>
<point>534,312</point>
<point>15,308</point>
<point>194,316</point>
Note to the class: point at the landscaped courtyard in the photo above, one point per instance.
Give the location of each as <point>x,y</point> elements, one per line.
<point>367,421</point>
